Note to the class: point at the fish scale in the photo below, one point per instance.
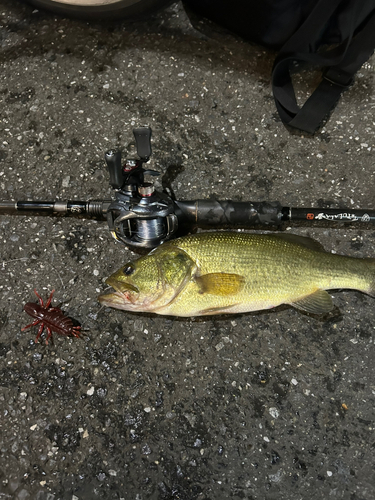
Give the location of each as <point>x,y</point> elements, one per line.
<point>227,272</point>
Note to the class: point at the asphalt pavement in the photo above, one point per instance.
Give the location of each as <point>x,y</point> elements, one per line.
<point>269,405</point>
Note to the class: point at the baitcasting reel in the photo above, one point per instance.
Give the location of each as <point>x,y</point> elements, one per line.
<point>139,215</point>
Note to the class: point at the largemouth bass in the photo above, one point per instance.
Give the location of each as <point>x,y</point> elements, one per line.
<point>227,272</point>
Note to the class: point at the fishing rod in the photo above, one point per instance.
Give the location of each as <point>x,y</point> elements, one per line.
<point>140,216</point>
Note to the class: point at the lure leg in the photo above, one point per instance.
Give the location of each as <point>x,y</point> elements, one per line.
<point>30,325</point>
<point>76,331</point>
<point>49,299</point>
<point>39,332</point>
<point>39,298</point>
<point>49,334</point>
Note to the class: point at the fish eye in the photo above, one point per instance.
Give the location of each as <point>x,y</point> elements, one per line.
<point>128,269</point>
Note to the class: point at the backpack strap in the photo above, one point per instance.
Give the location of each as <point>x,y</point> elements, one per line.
<point>340,63</point>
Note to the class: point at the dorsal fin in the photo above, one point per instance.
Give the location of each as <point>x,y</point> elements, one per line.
<point>304,241</point>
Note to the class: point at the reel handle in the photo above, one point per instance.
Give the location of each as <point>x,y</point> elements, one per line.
<point>116,175</point>
<point>142,137</point>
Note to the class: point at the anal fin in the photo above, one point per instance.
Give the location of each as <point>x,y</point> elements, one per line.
<point>319,302</point>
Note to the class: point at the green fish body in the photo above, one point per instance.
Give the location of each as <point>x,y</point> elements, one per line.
<point>227,272</point>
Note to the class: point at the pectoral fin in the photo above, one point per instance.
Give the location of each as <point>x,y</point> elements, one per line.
<point>217,310</point>
<point>220,283</point>
<point>319,302</point>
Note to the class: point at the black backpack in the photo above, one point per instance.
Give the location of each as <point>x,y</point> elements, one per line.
<point>336,35</point>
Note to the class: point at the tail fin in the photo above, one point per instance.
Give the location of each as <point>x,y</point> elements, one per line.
<point>371,267</point>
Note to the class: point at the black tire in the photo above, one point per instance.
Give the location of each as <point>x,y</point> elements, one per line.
<point>127,9</point>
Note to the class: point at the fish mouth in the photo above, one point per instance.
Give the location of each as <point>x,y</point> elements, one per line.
<point>121,286</point>
<point>123,296</point>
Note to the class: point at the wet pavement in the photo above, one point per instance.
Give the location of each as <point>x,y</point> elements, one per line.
<point>268,405</point>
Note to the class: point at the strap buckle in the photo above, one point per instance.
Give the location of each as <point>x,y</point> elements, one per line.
<point>338,77</point>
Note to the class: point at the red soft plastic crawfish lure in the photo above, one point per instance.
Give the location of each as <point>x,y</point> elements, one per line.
<point>51,318</point>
